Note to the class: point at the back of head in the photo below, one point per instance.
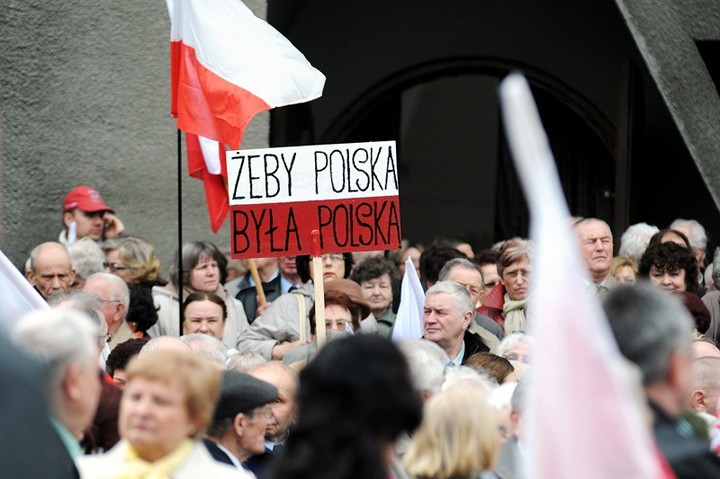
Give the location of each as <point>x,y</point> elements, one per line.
<point>693,230</point>
<point>450,445</point>
<point>57,339</point>
<point>87,257</point>
<point>206,346</point>
<point>355,398</point>
<point>426,361</point>
<point>635,239</point>
<point>433,259</point>
<point>649,326</point>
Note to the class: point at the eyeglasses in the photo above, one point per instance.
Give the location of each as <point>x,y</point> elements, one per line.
<point>104,338</point>
<point>114,267</point>
<point>333,257</point>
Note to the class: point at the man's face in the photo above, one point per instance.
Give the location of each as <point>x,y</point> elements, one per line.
<point>87,224</point>
<point>252,441</point>
<point>516,278</point>
<point>470,279</point>
<point>283,410</point>
<point>490,279</point>
<point>288,267</point>
<point>596,244</point>
<point>442,322</point>
<point>112,308</point>
<point>53,273</point>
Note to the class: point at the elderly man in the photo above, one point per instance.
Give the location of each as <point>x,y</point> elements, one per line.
<point>51,270</point>
<point>238,428</point>
<point>596,245</point>
<point>86,215</point>
<point>447,314</point>
<point>706,388</point>
<point>469,275</point>
<point>65,343</point>
<point>654,331</point>
<point>283,411</point>
<point>115,298</point>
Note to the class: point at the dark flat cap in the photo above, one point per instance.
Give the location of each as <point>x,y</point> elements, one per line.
<point>241,392</point>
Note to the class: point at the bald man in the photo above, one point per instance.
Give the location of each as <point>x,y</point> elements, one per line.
<point>51,270</point>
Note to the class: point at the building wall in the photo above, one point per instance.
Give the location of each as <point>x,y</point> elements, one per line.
<point>84,99</point>
<point>360,44</point>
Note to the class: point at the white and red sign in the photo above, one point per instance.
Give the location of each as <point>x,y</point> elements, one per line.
<point>348,192</point>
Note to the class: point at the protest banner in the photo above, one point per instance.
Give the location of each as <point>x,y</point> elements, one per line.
<point>347,192</point>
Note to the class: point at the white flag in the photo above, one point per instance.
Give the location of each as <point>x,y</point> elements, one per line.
<point>409,320</point>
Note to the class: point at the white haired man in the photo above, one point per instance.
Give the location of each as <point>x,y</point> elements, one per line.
<point>115,299</point>
<point>65,343</point>
<point>447,314</point>
<point>695,232</point>
<point>635,239</point>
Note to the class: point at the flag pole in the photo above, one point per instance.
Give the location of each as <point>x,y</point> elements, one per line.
<point>181,275</point>
<point>262,300</point>
<point>319,289</point>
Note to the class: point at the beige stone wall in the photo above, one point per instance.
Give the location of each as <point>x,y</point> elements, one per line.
<point>84,99</point>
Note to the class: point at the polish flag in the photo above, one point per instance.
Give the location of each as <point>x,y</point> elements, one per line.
<point>581,418</point>
<point>226,66</point>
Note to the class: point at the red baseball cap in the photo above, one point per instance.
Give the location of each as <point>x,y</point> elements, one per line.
<point>86,199</point>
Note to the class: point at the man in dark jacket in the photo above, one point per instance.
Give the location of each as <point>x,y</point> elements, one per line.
<point>654,331</point>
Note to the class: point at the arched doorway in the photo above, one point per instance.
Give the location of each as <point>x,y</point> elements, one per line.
<point>456,176</point>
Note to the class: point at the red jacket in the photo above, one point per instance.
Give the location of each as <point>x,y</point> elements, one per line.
<point>493,305</point>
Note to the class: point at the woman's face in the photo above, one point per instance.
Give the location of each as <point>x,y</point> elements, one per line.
<point>205,276</point>
<point>378,293</point>
<point>517,280</point>
<point>337,318</point>
<point>204,317</point>
<point>668,280</point>
<point>154,417</point>
<point>117,266</point>
<point>333,265</point>
<point>625,274</point>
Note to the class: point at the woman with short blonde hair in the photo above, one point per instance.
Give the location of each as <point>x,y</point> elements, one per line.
<point>448,445</point>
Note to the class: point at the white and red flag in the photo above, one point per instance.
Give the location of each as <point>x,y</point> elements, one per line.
<point>581,418</point>
<point>226,66</point>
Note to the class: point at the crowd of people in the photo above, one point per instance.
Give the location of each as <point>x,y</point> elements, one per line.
<point>216,371</point>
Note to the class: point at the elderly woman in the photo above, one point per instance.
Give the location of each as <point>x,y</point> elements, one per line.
<point>167,404</point>
<point>448,445</point>
<point>378,279</point>
<point>203,265</point>
<point>507,301</point>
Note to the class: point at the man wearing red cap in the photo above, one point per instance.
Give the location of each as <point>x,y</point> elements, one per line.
<point>86,214</point>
